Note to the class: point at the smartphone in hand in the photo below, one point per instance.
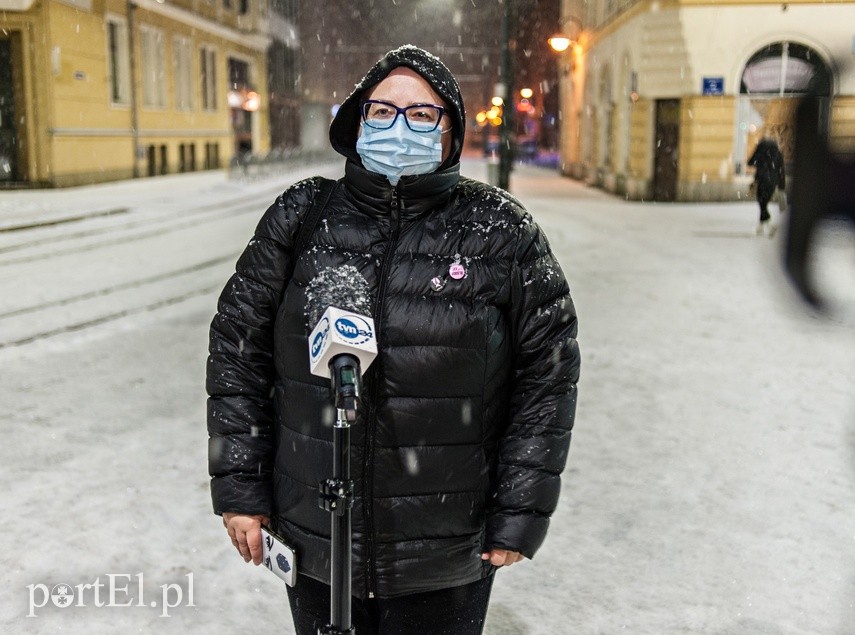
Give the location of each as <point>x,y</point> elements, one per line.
<point>278,556</point>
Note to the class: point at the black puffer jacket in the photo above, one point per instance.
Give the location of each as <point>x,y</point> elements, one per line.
<point>468,406</point>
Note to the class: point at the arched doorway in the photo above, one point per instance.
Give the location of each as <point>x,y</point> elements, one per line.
<point>773,78</point>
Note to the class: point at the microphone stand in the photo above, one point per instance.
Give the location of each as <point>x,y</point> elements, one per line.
<point>336,493</point>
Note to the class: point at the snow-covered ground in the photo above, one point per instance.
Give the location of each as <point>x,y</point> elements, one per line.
<point>710,488</point>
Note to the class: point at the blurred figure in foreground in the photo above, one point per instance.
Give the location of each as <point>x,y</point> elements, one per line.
<point>469,406</point>
<point>769,174</point>
<point>823,187</point>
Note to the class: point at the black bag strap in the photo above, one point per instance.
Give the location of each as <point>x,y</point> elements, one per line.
<point>313,216</point>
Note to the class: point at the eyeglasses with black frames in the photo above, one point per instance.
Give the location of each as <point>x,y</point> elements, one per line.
<point>419,117</point>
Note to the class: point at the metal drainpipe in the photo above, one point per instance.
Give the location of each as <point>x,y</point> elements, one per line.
<point>135,133</point>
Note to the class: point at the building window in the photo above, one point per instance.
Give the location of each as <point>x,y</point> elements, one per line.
<point>119,60</point>
<point>157,162</point>
<point>208,73</point>
<point>785,68</point>
<point>186,157</point>
<point>212,156</point>
<point>183,73</point>
<point>153,60</point>
<point>164,162</point>
<point>243,101</point>
<point>238,74</point>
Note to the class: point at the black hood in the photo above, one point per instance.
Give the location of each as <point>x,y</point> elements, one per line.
<point>344,129</point>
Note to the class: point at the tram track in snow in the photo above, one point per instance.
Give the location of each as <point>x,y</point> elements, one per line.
<point>66,275</point>
<point>162,277</point>
<point>110,317</point>
<point>103,302</point>
<point>94,316</point>
<point>112,233</point>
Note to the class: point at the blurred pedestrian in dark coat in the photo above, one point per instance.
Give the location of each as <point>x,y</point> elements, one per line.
<point>769,174</point>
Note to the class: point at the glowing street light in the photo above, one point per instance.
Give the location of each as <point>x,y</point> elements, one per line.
<point>560,43</point>
<point>566,37</point>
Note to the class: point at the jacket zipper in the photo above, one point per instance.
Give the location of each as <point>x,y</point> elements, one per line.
<point>368,490</point>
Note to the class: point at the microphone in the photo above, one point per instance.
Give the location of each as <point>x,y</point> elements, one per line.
<point>343,342</point>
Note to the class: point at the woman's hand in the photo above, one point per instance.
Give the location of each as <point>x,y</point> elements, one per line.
<point>502,557</point>
<point>245,532</point>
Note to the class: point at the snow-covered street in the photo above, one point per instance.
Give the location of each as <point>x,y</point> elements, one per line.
<point>710,486</point>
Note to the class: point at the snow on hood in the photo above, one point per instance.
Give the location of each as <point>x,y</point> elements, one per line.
<point>344,129</point>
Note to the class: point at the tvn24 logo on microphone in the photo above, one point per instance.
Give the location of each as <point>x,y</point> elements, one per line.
<point>339,332</point>
<point>355,328</point>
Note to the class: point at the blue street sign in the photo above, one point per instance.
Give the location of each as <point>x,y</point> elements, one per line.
<point>713,86</point>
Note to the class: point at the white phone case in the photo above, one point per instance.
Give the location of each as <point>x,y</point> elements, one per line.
<point>278,557</point>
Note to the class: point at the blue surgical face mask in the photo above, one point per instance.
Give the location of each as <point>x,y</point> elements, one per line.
<point>399,151</point>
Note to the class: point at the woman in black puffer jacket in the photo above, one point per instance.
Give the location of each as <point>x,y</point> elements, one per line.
<point>469,406</point>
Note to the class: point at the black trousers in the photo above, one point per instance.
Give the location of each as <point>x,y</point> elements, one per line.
<point>455,611</point>
<point>765,191</point>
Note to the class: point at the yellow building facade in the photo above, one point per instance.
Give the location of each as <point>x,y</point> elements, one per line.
<point>99,90</point>
<point>666,99</point>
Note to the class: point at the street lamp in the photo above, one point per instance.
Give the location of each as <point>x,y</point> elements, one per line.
<point>563,40</point>
<point>559,43</point>
<point>566,44</point>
